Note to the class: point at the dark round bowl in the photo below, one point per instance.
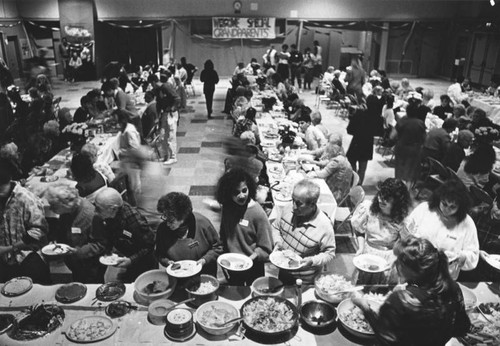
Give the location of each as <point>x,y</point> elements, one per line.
<point>317,314</point>
<point>200,299</point>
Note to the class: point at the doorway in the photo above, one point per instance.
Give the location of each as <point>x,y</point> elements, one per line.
<point>13,56</point>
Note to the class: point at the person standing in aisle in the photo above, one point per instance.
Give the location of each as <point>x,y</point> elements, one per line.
<point>318,63</point>
<point>296,60</point>
<point>209,78</point>
<point>283,66</point>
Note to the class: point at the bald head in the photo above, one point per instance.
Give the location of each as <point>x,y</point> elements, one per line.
<point>109,197</point>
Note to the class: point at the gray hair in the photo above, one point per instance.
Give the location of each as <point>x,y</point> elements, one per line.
<point>316,117</point>
<point>335,138</point>
<point>90,150</point>
<point>62,195</point>
<point>309,189</point>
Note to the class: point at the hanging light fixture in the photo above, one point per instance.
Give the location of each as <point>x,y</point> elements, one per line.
<point>492,2</point>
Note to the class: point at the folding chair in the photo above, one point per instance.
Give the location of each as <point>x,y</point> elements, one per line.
<point>153,139</point>
<point>480,196</point>
<point>355,197</point>
<point>435,176</point>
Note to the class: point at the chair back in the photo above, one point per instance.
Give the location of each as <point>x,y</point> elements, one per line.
<point>452,174</point>
<point>480,196</point>
<point>355,179</point>
<point>437,167</point>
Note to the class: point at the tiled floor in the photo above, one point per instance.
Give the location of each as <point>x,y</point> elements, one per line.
<point>201,156</point>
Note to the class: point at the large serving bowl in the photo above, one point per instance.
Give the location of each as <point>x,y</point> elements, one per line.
<point>149,277</point>
<point>326,285</point>
<point>266,282</point>
<point>317,314</point>
<point>210,313</point>
<point>347,311</point>
<point>197,282</point>
<point>269,308</point>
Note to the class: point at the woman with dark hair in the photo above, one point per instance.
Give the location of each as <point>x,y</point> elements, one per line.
<point>89,181</point>
<point>444,221</point>
<point>430,311</point>
<point>186,235</point>
<point>475,169</point>
<point>247,123</point>
<point>361,148</point>
<point>245,228</point>
<point>209,78</point>
<point>379,223</point>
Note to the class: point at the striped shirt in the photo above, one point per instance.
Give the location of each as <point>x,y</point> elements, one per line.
<point>313,240</point>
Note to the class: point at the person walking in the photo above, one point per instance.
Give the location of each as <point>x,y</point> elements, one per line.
<point>209,78</point>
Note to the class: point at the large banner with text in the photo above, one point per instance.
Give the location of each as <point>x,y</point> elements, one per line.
<point>237,27</point>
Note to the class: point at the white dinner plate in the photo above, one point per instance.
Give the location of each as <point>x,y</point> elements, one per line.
<point>281,259</point>
<point>109,260</point>
<point>55,249</point>
<point>491,259</point>
<point>187,269</point>
<point>91,329</point>
<point>370,263</point>
<point>235,262</point>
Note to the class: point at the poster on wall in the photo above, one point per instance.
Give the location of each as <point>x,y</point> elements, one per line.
<point>237,27</point>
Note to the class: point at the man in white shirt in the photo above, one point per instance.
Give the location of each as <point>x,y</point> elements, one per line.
<point>455,91</point>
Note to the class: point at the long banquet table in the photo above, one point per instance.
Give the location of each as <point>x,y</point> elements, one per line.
<point>107,145</point>
<point>135,329</point>
<point>490,104</point>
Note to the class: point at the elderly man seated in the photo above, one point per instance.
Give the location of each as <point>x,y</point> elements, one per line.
<point>74,228</point>
<point>23,231</point>
<point>305,230</point>
<point>120,229</point>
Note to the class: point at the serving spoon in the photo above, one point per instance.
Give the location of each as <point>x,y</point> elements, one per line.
<point>219,325</point>
<point>354,289</point>
<point>271,289</point>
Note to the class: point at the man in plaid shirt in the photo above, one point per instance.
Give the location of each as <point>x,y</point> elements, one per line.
<point>23,231</point>
<point>119,228</point>
<point>307,231</point>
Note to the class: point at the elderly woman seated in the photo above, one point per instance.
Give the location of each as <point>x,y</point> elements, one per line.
<point>91,151</point>
<point>89,181</point>
<point>74,228</point>
<point>185,234</point>
<point>337,172</point>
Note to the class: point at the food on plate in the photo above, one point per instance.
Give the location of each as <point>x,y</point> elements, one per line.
<point>70,293</point>
<point>215,316</point>
<point>204,288</point>
<point>55,249</point>
<point>41,320</point>
<point>90,329</point>
<point>482,334</point>
<point>268,315</point>
<point>155,287</point>
<point>183,266</point>
<point>17,286</point>
<point>378,297</point>
<point>333,283</point>
<point>49,179</point>
<point>118,309</point>
<point>286,259</point>
<point>110,291</point>
<point>110,260</point>
<point>355,319</point>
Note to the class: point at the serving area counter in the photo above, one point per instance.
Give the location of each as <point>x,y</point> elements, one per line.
<point>135,329</point>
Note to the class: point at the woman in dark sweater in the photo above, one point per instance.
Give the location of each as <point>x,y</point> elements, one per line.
<point>186,235</point>
<point>209,78</point>
<point>245,227</point>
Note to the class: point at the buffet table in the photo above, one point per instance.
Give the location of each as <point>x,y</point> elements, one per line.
<point>135,329</point>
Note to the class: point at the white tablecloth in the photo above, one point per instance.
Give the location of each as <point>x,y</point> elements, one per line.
<point>491,105</point>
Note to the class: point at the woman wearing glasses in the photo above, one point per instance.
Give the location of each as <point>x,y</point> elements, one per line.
<point>445,223</point>
<point>379,223</point>
<point>186,235</point>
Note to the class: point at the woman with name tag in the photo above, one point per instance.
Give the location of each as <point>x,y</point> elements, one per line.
<point>186,235</point>
<point>245,228</point>
<point>445,223</point>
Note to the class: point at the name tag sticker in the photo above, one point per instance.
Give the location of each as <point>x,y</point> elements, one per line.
<point>127,234</point>
<point>76,230</point>
<point>452,236</point>
<point>193,244</point>
<point>244,222</point>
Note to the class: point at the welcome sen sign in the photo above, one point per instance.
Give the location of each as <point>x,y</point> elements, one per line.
<point>237,27</point>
